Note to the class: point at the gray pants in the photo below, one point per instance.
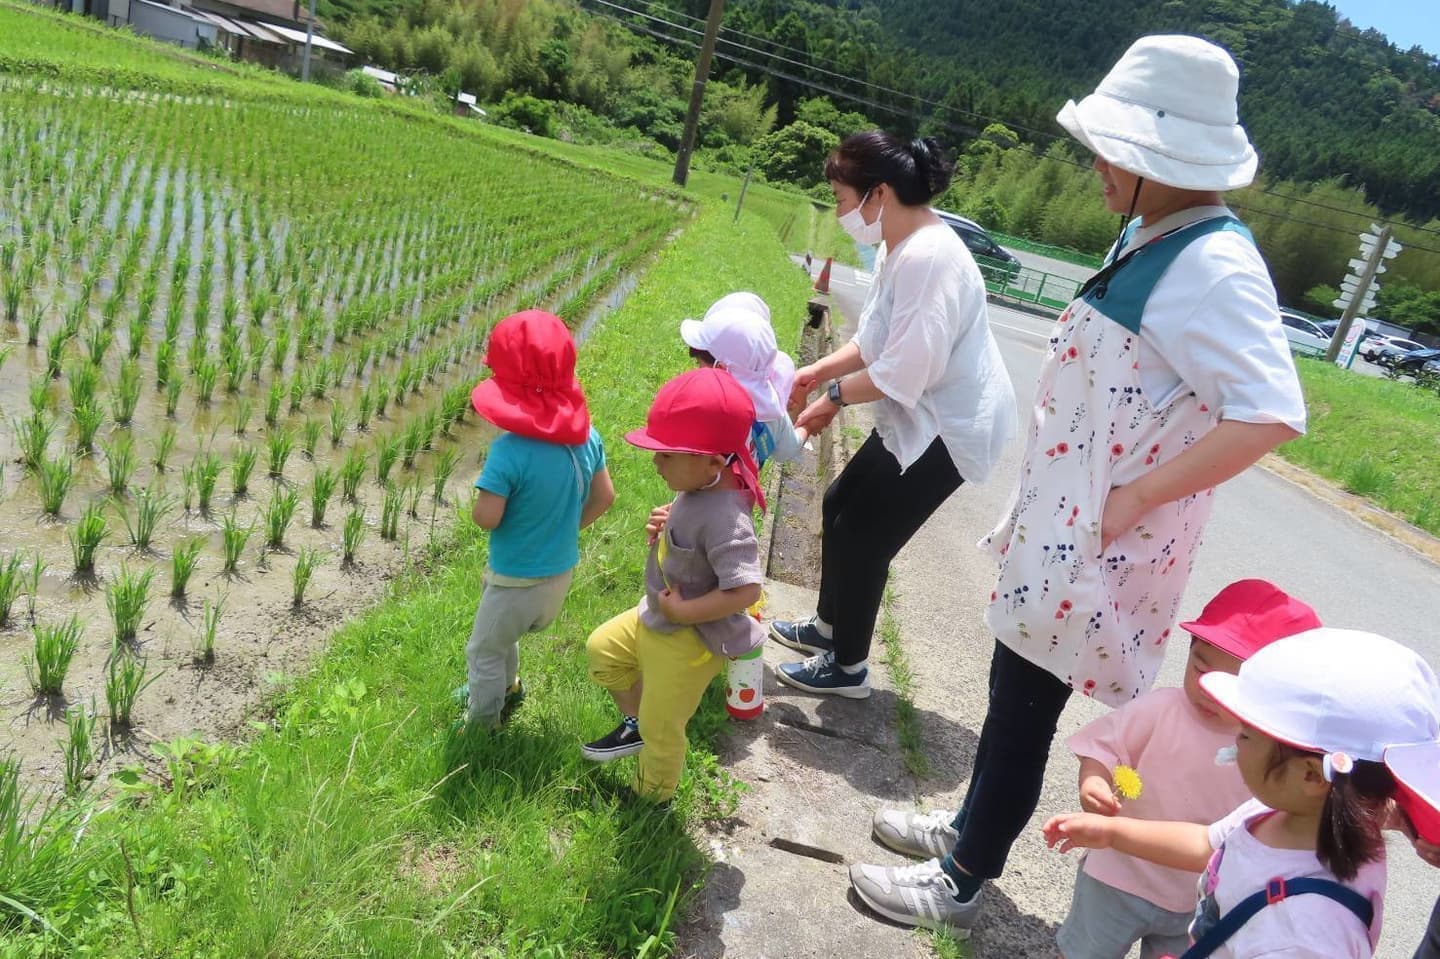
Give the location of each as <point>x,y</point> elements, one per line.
<point>492,657</point>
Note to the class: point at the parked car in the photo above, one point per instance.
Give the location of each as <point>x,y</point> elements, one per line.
<point>1417,361</point>
<point>1306,338</point>
<point>1385,350</point>
<point>989,255</point>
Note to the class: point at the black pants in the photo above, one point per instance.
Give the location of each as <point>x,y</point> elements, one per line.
<point>1430,948</point>
<point>870,511</point>
<point>1025,706</point>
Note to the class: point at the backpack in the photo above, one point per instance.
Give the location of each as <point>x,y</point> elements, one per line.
<point>1276,890</point>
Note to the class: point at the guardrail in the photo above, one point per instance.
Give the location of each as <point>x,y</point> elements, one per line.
<point>1027,285</point>
<point>1063,253</point>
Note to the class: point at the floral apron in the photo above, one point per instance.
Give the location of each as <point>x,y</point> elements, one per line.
<point>1100,621</point>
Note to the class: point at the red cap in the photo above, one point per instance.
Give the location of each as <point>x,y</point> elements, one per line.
<point>706,412</point>
<point>1248,615</point>
<point>532,389</point>
<point>1416,769</point>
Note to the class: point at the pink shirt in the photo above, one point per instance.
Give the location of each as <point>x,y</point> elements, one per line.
<point>1307,926</point>
<point>1172,745</point>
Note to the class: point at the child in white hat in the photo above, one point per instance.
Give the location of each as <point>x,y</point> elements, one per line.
<point>1299,870</point>
<point>736,335</point>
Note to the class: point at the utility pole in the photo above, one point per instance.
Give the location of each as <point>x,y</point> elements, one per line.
<point>1357,298</point>
<point>309,36</point>
<point>743,187</point>
<point>697,92</point>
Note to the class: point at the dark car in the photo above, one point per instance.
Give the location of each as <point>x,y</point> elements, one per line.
<point>989,255</point>
<point>1417,361</point>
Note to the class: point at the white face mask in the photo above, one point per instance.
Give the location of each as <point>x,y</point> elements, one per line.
<point>854,224</point>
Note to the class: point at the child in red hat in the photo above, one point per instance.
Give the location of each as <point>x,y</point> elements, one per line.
<point>544,480</point>
<point>701,577</point>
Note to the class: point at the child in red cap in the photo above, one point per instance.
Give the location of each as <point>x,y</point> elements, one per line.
<point>701,577</point>
<point>544,480</point>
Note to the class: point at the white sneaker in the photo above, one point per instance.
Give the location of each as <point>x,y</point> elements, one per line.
<point>922,835</point>
<point>921,895</point>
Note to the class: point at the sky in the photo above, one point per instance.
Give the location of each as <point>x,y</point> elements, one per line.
<point>1404,22</point>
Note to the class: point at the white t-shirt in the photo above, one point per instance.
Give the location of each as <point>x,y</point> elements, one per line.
<point>1212,326</point>
<point>1307,926</point>
<point>927,345</point>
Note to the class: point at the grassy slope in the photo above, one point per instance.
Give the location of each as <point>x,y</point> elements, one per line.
<point>352,824</point>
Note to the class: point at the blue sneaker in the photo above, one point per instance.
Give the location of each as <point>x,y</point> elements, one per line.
<point>802,635</point>
<point>820,674</point>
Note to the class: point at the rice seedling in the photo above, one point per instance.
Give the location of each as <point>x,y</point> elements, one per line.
<point>138,329</point>
<point>282,348</point>
<point>241,467</point>
<point>352,535</point>
<point>32,585</point>
<point>296,389</point>
<point>382,395</point>
<point>240,420</point>
<point>87,423</point>
<point>53,478</point>
<point>310,437</point>
<point>163,446</point>
<point>206,373</point>
<point>209,628</point>
<point>55,646</point>
<point>413,491</point>
<point>127,393</point>
<point>12,584</point>
<point>233,538</point>
<point>164,363</point>
<point>411,442</point>
<point>445,465</point>
<point>172,395</point>
<point>278,514</point>
<point>82,379</point>
<point>125,679</point>
<point>40,399</point>
<point>97,342</point>
<point>207,477</point>
<point>390,512</point>
<point>362,414</point>
<point>120,463</point>
<point>322,487</point>
<point>352,473</point>
<point>305,563</point>
<point>387,450</point>
<point>34,319</point>
<point>183,561</point>
<point>339,417</point>
<point>151,505</point>
<point>126,598</point>
<point>85,538</point>
<point>78,747</point>
<point>279,445</point>
<point>273,399</point>
<point>33,437</point>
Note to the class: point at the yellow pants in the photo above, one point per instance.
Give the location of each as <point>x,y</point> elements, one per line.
<point>676,667</point>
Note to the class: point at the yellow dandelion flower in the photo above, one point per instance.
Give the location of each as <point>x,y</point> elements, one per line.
<point>1127,782</point>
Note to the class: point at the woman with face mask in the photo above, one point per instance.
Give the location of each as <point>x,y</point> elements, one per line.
<point>924,359</point>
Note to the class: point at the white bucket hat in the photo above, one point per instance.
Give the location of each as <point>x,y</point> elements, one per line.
<point>1345,694</point>
<point>1167,111</point>
<point>736,331</point>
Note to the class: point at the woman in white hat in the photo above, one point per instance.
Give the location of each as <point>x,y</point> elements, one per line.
<point>1168,375</point>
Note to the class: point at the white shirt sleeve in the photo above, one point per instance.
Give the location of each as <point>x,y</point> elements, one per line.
<point>787,444</point>
<point>924,294</point>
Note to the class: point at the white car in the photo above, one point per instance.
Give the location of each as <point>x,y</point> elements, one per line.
<point>1378,349</point>
<point>1305,337</point>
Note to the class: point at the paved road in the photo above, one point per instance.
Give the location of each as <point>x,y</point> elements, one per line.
<point>1263,526</point>
<point>1047,265</point>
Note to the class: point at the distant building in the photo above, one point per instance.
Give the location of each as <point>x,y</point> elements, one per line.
<point>465,106</point>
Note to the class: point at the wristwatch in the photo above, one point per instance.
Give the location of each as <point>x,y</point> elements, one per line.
<point>833,393</point>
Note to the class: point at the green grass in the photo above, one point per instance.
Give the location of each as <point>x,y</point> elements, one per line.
<point>1377,438</point>
<point>902,678</point>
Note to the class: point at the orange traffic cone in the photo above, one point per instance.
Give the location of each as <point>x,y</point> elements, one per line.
<point>822,284</point>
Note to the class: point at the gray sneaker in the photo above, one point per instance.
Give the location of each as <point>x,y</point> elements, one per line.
<point>922,835</point>
<point>920,895</point>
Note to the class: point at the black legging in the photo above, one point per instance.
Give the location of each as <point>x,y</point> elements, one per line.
<point>870,511</point>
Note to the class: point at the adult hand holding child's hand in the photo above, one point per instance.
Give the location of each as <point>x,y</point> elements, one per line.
<point>1078,830</point>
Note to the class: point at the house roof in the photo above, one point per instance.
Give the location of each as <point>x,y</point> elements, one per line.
<point>288,10</point>
<point>298,36</point>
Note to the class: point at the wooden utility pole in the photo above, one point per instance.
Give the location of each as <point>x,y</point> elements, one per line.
<point>309,36</point>
<point>743,188</point>
<point>1357,299</point>
<point>697,92</point>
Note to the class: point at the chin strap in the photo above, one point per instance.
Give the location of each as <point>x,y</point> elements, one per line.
<point>1127,217</point>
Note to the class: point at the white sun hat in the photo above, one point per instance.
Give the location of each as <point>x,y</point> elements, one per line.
<point>1342,693</point>
<point>1167,111</point>
<point>736,331</point>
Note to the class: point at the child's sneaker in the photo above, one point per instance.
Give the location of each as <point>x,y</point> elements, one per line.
<point>801,634</point>
<point>821,674</point>
<point>623,740</point>
<point>513,698</point>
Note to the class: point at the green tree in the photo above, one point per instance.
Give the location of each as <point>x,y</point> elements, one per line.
<point>795,153</point>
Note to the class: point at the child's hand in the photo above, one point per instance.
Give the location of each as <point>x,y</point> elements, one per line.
<point>1428,851</point>
<point>673,608</point>
<point>1078,830</point>
<point>1097,797</point>
<point>659,516</point>
<point>803,386</point>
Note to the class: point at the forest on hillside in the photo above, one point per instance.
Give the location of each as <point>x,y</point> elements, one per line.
<point>1347,124</point>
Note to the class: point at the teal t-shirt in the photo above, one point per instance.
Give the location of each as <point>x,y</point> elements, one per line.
<point>545,486</point>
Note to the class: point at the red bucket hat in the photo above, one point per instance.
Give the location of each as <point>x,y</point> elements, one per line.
<point>1250,614</point>
<point>706,412</point>
<point>532,390</point>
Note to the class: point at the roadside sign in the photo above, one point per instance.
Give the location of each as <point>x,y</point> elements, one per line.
<point>1358,265</point>
<point>1351,345</point>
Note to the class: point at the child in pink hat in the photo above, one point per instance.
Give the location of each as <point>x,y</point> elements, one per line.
<point>544,480</point>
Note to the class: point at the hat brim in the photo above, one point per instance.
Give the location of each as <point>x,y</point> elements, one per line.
<point>1172,150</point>
<point>1224,688</point>
<point>1218,638</point>
<point>642,439</point>
<point>1416,769</point>
<point>555,416</point>
<point>693,333</point>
